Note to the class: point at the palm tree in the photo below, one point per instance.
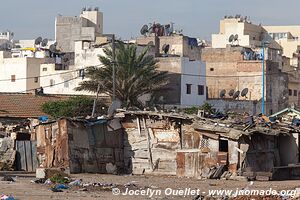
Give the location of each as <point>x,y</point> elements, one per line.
<point>136,75</point>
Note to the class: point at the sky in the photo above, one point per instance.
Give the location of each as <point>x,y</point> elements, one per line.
<point>29,19</point>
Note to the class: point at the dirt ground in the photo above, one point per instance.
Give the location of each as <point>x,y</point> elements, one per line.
<point>24,189</point>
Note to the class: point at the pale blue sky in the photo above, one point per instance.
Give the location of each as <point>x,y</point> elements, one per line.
<point>198,18</point>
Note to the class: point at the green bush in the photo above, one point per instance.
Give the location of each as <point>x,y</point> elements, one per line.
<point>194,110</point>
<point>73,107</point>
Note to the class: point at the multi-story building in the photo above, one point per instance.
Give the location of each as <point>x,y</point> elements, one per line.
<point>234,63</point>
<point>87,26</point>
<point>19,74</point>
<point>288,38</point>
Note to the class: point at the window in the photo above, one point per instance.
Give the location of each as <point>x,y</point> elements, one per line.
<point>13,78</point>
<point>290,92</point>
<point>200,89</point>
<point>223,145</point>
<point>36,79</point>
<point>204,142</point>
<point>51,82</point>
<point>212,69</point>
<point>295,93</point>
<point>188,88</point>
<point>66,84</point>
<point>44,69</point>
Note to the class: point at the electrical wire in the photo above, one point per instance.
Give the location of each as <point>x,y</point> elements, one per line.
<point>51,85</point>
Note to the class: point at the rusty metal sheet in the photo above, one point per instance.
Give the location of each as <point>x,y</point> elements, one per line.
<point>180,158</point>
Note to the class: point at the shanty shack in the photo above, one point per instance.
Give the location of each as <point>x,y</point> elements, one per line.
<point>80,145</point>
<point>182,145</point>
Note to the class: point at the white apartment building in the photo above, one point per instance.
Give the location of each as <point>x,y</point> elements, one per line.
<point>19,74</point>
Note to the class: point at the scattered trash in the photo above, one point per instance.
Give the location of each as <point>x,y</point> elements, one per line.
<point>5,197</point>
<point>76,182</point>
<point>61,186</point>
<point>56,190</point>
<point>39,181</point>
<point>8,178</point>
<point>131,184</point>
<point>48,182</point>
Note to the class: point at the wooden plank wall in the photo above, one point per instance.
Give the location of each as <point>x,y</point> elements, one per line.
<point>26,156</point>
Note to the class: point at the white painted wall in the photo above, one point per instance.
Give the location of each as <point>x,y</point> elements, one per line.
<point>192,72</point>
<point>21,68</point>
<point>60,76</point>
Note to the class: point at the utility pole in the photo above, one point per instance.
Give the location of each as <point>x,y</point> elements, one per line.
<point>113,65</point>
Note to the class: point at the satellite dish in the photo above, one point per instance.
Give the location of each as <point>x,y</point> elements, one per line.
<point>52,48</point>
<point>96,9</point>
<point>166,48</point>
<point>236,94</point>
<point>231,92</point>
<point>231,38</point>
<point>38,40</point>
<point>144,30</point>
<point>44,42</point>
<point>244,92</point>
<point>222,93</point>
<point>236,37</point>
<point>84,9</point>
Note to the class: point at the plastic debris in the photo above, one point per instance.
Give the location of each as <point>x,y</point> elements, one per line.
<point>48,182</point>
<point>61,186</point>
<point>5,197</point>
<point>8,178</point>
<point>75,183</point>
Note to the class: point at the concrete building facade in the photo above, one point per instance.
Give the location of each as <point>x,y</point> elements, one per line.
<point>19,74</point>
<point>288,38</point>
<point>87,26</point>
<point>227,69</point>
<point>187,86</point>
<point>238,31</point>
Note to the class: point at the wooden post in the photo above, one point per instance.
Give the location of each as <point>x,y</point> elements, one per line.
<point>149,144</point>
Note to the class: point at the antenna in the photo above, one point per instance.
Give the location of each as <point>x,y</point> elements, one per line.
<point>38,40</point>
<point>244,92</point>
<point>144,30</point>
<point>231,38</point>
<point>236,95</point>
<point>166,48</point>
<point>231,92</point>
<point>222,93</point>
<point>44,42</point>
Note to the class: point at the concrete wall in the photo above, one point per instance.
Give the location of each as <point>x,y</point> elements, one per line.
<point>20,68</point>
<point>70,29</point>
<point>249,35</point>
<point>69,76</point>
<point>182,71</point>
<point>178,46</point>
<point>193,72</point>
<point>238,106</point>
<point>236,73</point>
<point>86,55</point>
